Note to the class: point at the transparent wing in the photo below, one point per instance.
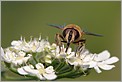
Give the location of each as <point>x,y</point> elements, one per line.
<point>57,26</point>
<point>90,33</point>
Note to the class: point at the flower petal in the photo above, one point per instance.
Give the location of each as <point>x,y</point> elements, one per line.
<point>102,56</point>
<point>86,58</point>
<point>71,61</point>
<point>17,62</point>
<point>97,69</point>
<point>49,69</point>
<point>48,59</point>
<point>111,60</point>
<point>30,70</point>
<point>50,76</point>
<point>57,49</point>
<point>39,65</point>
<point>92,64</point>
<point>53,45</point>
<point>71,55</point>
<point>40,77</point>
<point>25,59</point>
<point>69,50</point>
<point>105,66</point>
<point>16,43</point>
<point>84,52</point>
<point>75,61</point>
<point>9,56</point>
<point>21,53</point>
<point>22,71</point>
<point>84,67</point>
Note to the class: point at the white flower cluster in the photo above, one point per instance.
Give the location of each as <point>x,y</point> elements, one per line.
<point>21,52</point>
<point>40,71</point>
<point>36,45</point>
<point>86,59</point>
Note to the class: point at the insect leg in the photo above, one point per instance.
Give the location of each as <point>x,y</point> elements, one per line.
<point>58,41</point>
<point>67,46</point>
<point>81,45</point>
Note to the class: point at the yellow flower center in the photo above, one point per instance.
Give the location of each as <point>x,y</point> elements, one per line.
<point>41,70</point>
<point>78,60</point>
<point>18,58</point>
<point>34,48</point>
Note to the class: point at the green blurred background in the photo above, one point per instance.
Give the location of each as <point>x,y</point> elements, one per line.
<point>30,18</point>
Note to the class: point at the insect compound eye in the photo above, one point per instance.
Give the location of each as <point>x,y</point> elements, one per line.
<point>66,31</point>
<point>76,34</point>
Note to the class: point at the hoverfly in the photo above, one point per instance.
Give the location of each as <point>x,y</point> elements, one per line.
<point>71,33</point>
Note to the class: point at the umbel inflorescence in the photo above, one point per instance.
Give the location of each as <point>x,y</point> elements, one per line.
<point>40,60</point>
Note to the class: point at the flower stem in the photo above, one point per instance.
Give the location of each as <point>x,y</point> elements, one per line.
<point>67,74</point>
<point>17,79</point>
<point>15,71</point>
<point>60,66</point>
<point>34,57</point>
<point>70,72</point>
<point>83,72</point>
<point>65,69</point>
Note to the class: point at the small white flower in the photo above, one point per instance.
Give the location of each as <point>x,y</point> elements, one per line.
<point>34,45</point>
<point>53,45</point>
<point>103,61</point>
<point>40,71</point>
<point>21,53</point>
<point>78,59</point>
<point>8,56</point>
<point>21,59</point>
<point>42,44</point>
<point>30,71</point>
<point>48,59</point>
<point>75,61</point>
<point>60,52</point>
<point>18,45</point>
<point>15,58</point>
<point>48,73</point>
